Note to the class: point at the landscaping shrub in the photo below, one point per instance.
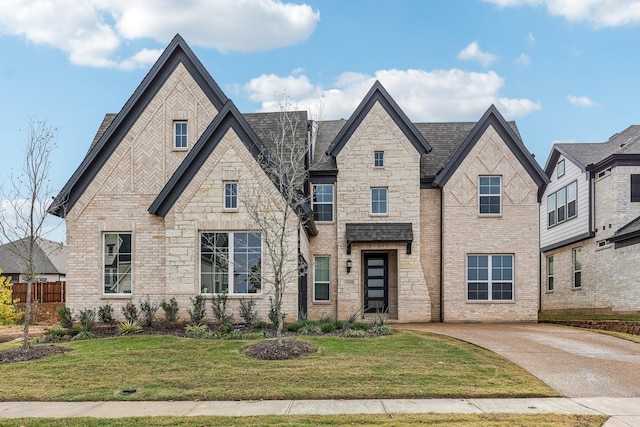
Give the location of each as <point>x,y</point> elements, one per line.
<point>310,329</point>
<point>148,310</point>
<point>360,326</point>
<point>8,312</point>
<point>65,317</point>
<point>199,309</point>
<point>84,335</point>
<point>130,312</point>
<point>235,334</point>
<point>219,307</point>
<point>354,333</point>
<point>381,330</point>
<point>296,326</point>
<point>196,331</point>
<point>248,312</point>
<point>87,318</point>
<point>129,327</point>
<point>170,310</point>
<point>105,314</point>
<point>54,335</point>
<point>352,318</point>
<point>329,323</point>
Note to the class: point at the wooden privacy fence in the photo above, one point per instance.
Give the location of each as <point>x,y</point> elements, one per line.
<point>41,292</point>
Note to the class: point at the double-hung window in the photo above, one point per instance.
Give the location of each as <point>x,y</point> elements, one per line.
<point>117,260</point>
<point>489,195</point>
<point>231,262</point>
<point>490,277</point>
<point>560,169</point>
<point>379,201</point>
<point>577,268</point>
<point>231,195</point>
<point>321,278</point>
<point>180,134</point>
<point>550,273</point>
<point>561,205</point>
<point>378,159</point>
<point>323,202</point>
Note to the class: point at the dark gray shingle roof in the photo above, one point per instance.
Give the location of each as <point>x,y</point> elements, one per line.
<point>50,257</point>
<point>379,232</point>
<point>625,142</point>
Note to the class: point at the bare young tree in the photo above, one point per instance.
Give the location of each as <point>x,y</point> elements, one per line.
<point>279,219</point>
<point>25,207</point>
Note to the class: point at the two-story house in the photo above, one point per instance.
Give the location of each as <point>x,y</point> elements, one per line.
<point>421,221</point>
<point>590,226</point>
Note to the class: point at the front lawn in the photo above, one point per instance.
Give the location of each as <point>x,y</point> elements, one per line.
<point>402,365</point>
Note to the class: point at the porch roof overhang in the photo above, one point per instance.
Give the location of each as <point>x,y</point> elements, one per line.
<point>389,232</point>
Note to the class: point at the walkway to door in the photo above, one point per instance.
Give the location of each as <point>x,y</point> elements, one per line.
<point>575,362</point>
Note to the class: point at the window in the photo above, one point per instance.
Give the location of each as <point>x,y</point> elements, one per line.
<point>604,173</point>
<point>379,200</point>
<point>323,202</point>
<point>635,187</point>
<point>321,278</point>
<point>117,263</point>
<point>378,159</point>
<point>180,134</point>
<point>560,169</point>
<point>231,263</point>
<point>550,273</point>
<point>231,195</point>
<point>561,205</point>
<point>577,268</point>
<point>490,277</point>
<point>489,195</point>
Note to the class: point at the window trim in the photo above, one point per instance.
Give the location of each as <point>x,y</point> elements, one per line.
<point>577,272</point>
<point>316,281</point>
<point>230,197</point>
<point>559,166</point>
<point>550,272</point>
<point>176,123</point>
<point>116,253</point>
<point>378,162</point>
<point>230,264</point>
<point>314,203</point>
<point>490,280</point>
<point>565,205</point>
<point>635,185</point>
<point>378,201</point>
<point>480,196</point>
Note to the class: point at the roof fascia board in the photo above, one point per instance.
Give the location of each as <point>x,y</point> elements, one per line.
<point>568,241</point>
<point>617,160</point>
<point>553,160</point>
<point>378,93</point>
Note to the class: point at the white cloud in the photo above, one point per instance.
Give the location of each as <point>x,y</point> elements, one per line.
<point>523,59</point>
<point>581,101</point>
<point>473,52</point>
<point>598,13</point>
<point>92,32</point>
<point>439,95</point>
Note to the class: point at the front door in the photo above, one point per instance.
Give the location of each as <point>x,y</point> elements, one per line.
<point>376,283</point>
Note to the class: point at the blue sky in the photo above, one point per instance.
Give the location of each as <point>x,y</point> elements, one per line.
<point>564,70</point>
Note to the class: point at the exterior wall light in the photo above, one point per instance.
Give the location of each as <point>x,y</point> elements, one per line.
<point>349,265</point>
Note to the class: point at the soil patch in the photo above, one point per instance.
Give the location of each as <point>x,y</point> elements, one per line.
<point>38,352</point>
<point>270,350</point>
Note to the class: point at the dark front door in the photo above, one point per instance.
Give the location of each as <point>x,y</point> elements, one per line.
<point>376,283</point>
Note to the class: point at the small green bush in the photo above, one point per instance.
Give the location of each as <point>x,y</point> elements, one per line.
<point>381,330</point>
<point>310,330</point>
<point>261,324</point>
<point>354,333</point>
<point>170,310</point>
<point>65,317</point>
<point>105,314</point>
<point>129,327</point>
<point>248,312</point>
<point>196,331</point>
<point>361,326</point>
<point>296,326</point>
<point>84,335</point>
<point>235,335</point>
<point>148,310</point>
<point>219,307</point>
<point>87,318</point>
<point>54,335</point>
<point>130,312</point>
<point>199,309</point>
<point>353,317</point>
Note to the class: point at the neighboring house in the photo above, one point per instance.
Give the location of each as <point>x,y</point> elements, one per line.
<point>590,226</point>
<point>424,222</point>
<point>50,260</point>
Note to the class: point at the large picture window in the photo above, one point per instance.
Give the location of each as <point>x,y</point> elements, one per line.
<point>489,195</point>
<point>323,202</point>
<point>231,263</point>
<point>490,277</point>
<point>321,278</point>
<point>117,263</point>
<point>561,205</point>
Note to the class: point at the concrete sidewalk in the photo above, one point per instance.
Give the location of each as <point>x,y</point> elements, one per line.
<point>625,411</point>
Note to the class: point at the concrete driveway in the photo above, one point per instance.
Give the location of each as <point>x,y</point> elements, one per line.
<point>575,362</point>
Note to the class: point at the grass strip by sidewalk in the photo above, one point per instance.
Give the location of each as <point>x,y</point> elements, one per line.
<point>402,365</point>
<point>440,420</point>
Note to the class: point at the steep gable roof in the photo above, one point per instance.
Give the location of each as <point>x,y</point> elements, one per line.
<point>378,93</point>
<point>492,117</point>
<point>177,52</point>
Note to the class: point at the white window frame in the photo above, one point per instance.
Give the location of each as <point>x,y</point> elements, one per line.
<point>378,201</point>
<point>231,195</point>
<point>576,262</point>
<point>180,139</point>
<point>554,204</point>
<point>110,270</point>
<point>490,280</point>
<point>315,203</point>
<point>317,282</point>
<point>230,255</point>
<point>550,273</point>
<point>378,159</point>
<point>482,195</point>
<point>560,169</point>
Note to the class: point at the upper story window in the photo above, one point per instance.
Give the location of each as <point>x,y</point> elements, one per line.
<point>378,159</point>
<point>489,277</point>
<point>560,169</point>
<point>180,134</point>
<point>231,195</point>
<point>379,203</point>
<point>635,187</point>
<point>117,261</point>
<point>604,173</point>
<point>489,195</point>
<point>577,268</point>
<point>561,205</point>
<point>323,202</point>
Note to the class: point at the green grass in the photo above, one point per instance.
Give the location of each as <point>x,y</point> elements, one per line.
<point>441,420</point>
<point>402,365</point>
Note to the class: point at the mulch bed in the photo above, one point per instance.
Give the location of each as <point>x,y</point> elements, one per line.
<point>269,350</point>
<point>32,353</point>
